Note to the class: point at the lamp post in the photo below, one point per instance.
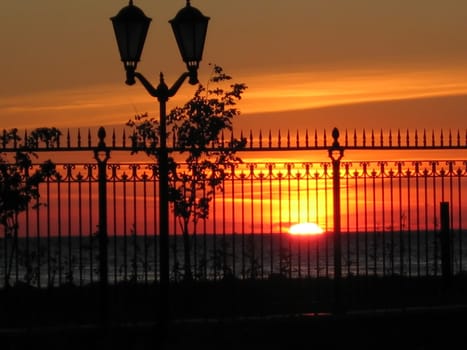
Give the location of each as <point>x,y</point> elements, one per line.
<point>190,27</point>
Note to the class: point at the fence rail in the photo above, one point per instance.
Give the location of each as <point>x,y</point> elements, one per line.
<point>77,140</point>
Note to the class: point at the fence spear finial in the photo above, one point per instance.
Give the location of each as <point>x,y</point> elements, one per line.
<point>101,135</point>
<point>335,136</point>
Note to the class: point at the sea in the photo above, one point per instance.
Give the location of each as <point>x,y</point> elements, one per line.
<point>54,261</point>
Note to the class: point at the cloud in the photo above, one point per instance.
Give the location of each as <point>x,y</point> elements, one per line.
<point>304,90</point>
<point>290,92</point>
<point>434,112</point>
<point>91,106</point>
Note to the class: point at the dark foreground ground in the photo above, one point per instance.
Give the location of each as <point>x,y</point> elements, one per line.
<point>427,328</point>
<point>281,314</point>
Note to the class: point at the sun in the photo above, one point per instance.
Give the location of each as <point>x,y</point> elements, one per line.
<point>305,229</point>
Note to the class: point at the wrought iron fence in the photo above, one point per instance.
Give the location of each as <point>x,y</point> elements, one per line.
<point>379,218</point>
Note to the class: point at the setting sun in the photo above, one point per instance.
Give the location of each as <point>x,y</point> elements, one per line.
<point>305,229</point>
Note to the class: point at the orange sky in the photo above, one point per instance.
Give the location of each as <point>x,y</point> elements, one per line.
<point>308,64</point>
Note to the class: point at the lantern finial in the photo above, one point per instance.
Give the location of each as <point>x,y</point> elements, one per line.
<point>131,2</point>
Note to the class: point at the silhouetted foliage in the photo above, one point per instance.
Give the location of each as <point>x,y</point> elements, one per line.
<point>19,181</point>
<point>198,131</point>
<point>49,136</point>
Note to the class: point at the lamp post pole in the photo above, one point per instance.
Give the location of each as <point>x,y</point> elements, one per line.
<point>190,27</point>
<point>164,212</point>
<point>163,93</point>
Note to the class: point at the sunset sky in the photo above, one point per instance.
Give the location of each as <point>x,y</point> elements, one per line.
<point>307,63</point>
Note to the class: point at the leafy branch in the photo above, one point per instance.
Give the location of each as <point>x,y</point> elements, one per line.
<point>197,128</point>
<point>18,186</point>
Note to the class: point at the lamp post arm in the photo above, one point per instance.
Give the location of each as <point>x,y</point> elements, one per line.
<point>147,85</point>
<point>161,91</point>
<point>173,90</point>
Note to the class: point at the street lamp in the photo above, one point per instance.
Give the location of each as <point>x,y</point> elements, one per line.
<point>131,27</point>
<point>190,27</point>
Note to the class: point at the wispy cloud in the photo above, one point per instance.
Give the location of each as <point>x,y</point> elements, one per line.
<point>266,93</point>
<point>91,106</point>
<point>304,90</point>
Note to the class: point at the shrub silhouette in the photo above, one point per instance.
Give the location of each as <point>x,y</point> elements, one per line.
<point>198,132</point>
<point>19,182</point>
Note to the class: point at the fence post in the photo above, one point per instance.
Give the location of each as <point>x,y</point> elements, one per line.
<point>446,249</point>
<point>102,155</point>
<point>336,152</point>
